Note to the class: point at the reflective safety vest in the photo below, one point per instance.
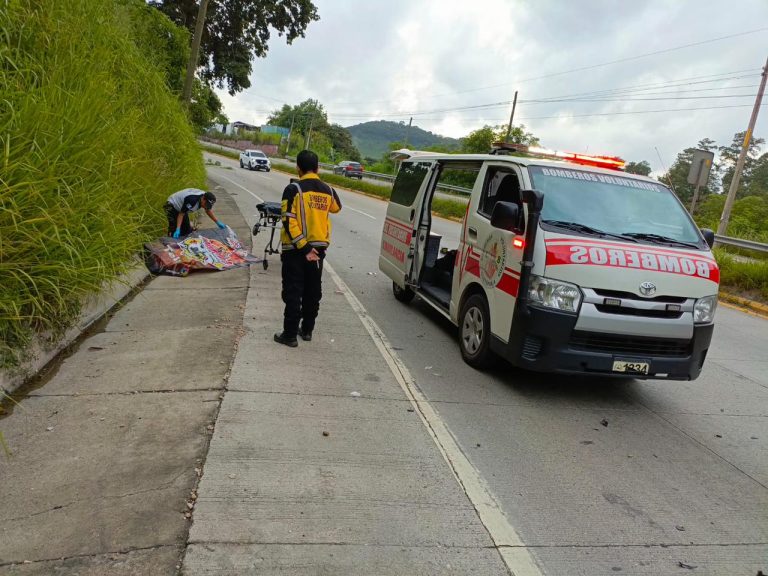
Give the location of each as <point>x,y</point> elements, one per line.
<point>305,208</point>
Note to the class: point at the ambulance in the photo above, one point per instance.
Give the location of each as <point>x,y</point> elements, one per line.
<point>564,263</point>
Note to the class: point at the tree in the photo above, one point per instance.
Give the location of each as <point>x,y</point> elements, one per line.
<point>236,31</point>
<point>758,181</point>
<point>205,107</point>
<point>300,117</point>
<point>677,176</point>
<point>341,140</point>
<point>161,41</point>
<point>481,141</point>
<point>730,154</point>
<point>643,168</point>
<point>329,141</point>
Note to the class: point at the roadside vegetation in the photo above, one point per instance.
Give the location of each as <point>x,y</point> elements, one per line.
<point>93,141</point>
<point>744,277</point>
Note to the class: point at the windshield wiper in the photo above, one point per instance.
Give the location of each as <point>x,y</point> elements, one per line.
<point>659,239</point>
<point>576,227</point>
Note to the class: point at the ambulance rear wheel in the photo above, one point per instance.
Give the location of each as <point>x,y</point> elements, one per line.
<point>404,295</point>
<point>475,332</point>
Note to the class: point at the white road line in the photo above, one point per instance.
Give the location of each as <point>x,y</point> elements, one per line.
<point>513,551</point>
<point>259,198</point>
<point>359,212</point>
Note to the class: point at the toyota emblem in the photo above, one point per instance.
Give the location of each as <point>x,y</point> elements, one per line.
<point>647,288</point>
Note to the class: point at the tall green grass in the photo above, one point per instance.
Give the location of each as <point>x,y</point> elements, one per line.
<point>743,274</point>
<point>91,143</point>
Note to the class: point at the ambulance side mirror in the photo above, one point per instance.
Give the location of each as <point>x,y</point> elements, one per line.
<point>709,236</point>
<point>506,216</point>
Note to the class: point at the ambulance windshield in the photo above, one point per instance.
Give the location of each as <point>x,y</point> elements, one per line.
<point>614,205</point>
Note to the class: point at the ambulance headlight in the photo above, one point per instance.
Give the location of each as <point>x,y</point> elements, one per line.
<point>554,294</point>
<point>704,310</point>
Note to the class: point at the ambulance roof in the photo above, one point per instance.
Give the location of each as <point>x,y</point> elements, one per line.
<point>417,156</point>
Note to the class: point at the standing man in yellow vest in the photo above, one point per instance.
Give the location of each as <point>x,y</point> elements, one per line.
<point>306,208</point>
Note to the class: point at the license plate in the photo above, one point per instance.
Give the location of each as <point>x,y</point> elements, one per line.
<point>631,367</point>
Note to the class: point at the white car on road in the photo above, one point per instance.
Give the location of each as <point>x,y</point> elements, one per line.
<point>255,160</point>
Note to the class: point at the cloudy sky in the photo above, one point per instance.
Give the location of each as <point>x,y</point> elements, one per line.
<point>602,60</point>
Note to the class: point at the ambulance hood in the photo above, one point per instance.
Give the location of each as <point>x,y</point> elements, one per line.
<point>607,264</point>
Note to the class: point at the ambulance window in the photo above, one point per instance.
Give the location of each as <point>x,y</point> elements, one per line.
<point>408,182</point>
<point>501,185</point>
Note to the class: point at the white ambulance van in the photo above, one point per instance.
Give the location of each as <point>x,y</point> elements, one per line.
<point>564,263</point>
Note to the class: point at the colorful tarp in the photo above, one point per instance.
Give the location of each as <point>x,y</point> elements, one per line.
<point>202,250</point>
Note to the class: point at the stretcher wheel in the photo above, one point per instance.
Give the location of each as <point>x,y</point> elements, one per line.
<point>265,264</point>
<point>256,229</point>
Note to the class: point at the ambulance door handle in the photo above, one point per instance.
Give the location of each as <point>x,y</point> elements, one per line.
<point>472,233</point>
<point>413,213</point>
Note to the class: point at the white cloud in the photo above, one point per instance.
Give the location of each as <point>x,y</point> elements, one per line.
<point>367,61</point>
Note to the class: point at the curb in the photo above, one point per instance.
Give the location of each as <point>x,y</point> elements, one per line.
<point>757,308</point>
<point>96,307</point>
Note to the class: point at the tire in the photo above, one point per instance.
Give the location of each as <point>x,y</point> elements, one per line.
<point>404,295</point>
<point>475,332</point>
<point>269,169</point>
<point>241,164</point>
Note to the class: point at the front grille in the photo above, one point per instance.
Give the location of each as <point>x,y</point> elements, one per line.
<point>531,347</point>
<point>625,311</point>
<point>631,296</point>
<point>619,344</point>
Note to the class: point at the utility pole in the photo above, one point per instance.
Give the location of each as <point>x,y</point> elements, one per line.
<point>407,132</point>
<point>723,226</point>
<point>511,117</point>
<point>309,134</point>
<point>696,190</point>
<point>194,55</point>
<point>290,131</point>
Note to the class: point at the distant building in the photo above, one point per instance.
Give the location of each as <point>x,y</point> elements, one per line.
<point>233,128</point>
<point>267,129</point>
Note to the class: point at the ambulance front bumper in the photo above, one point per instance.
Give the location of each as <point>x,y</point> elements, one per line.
<point>546,340</point>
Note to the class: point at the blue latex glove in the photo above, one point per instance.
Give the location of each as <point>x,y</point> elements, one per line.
<point>221,225</point>
<point>177,233</point>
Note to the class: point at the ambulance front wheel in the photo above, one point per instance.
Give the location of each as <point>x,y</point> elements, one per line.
<point>404,295</point>
<point>475,332</point>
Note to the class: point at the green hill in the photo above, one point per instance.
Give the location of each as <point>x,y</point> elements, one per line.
<point>373,138</point>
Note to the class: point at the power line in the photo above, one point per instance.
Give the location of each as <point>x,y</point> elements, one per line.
<point>591,66</point>
<point>628,113</point>
<point>608,99</point>
<point>505,103</point>
<point>669,84</point>
<point>639,112</point>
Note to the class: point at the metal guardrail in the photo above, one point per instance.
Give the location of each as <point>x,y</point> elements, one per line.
<point>739,243</point>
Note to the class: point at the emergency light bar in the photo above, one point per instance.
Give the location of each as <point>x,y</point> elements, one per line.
<point>612,162</point>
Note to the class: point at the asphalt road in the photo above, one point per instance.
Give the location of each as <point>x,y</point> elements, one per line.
<point>596,476</point>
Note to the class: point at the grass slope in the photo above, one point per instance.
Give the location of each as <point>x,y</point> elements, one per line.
<point>92,143</point>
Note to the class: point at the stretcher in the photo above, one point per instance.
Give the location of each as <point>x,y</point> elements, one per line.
<point>269,217</point>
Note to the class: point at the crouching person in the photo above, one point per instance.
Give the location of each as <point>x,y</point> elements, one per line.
<point>181,203</point>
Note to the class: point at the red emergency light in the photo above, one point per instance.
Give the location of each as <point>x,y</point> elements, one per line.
<point>612,162</point>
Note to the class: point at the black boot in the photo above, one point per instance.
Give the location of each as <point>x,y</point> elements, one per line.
<point>281,338</point>
<point>306,335</point>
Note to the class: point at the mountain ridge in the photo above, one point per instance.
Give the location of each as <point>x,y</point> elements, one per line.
<point>373,138</point>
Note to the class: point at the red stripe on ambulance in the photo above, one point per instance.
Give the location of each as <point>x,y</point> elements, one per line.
<point>509,284</point>
<point>559,254</point>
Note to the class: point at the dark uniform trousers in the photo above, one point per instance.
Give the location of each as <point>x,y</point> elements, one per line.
<point>172,214</point>
<point>301,291</point>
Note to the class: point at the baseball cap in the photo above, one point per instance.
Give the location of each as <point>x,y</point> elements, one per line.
<point>210,198</point>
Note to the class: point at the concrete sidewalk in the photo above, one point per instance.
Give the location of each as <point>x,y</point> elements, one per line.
<point>105,447</point>
<point>303,477</point>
